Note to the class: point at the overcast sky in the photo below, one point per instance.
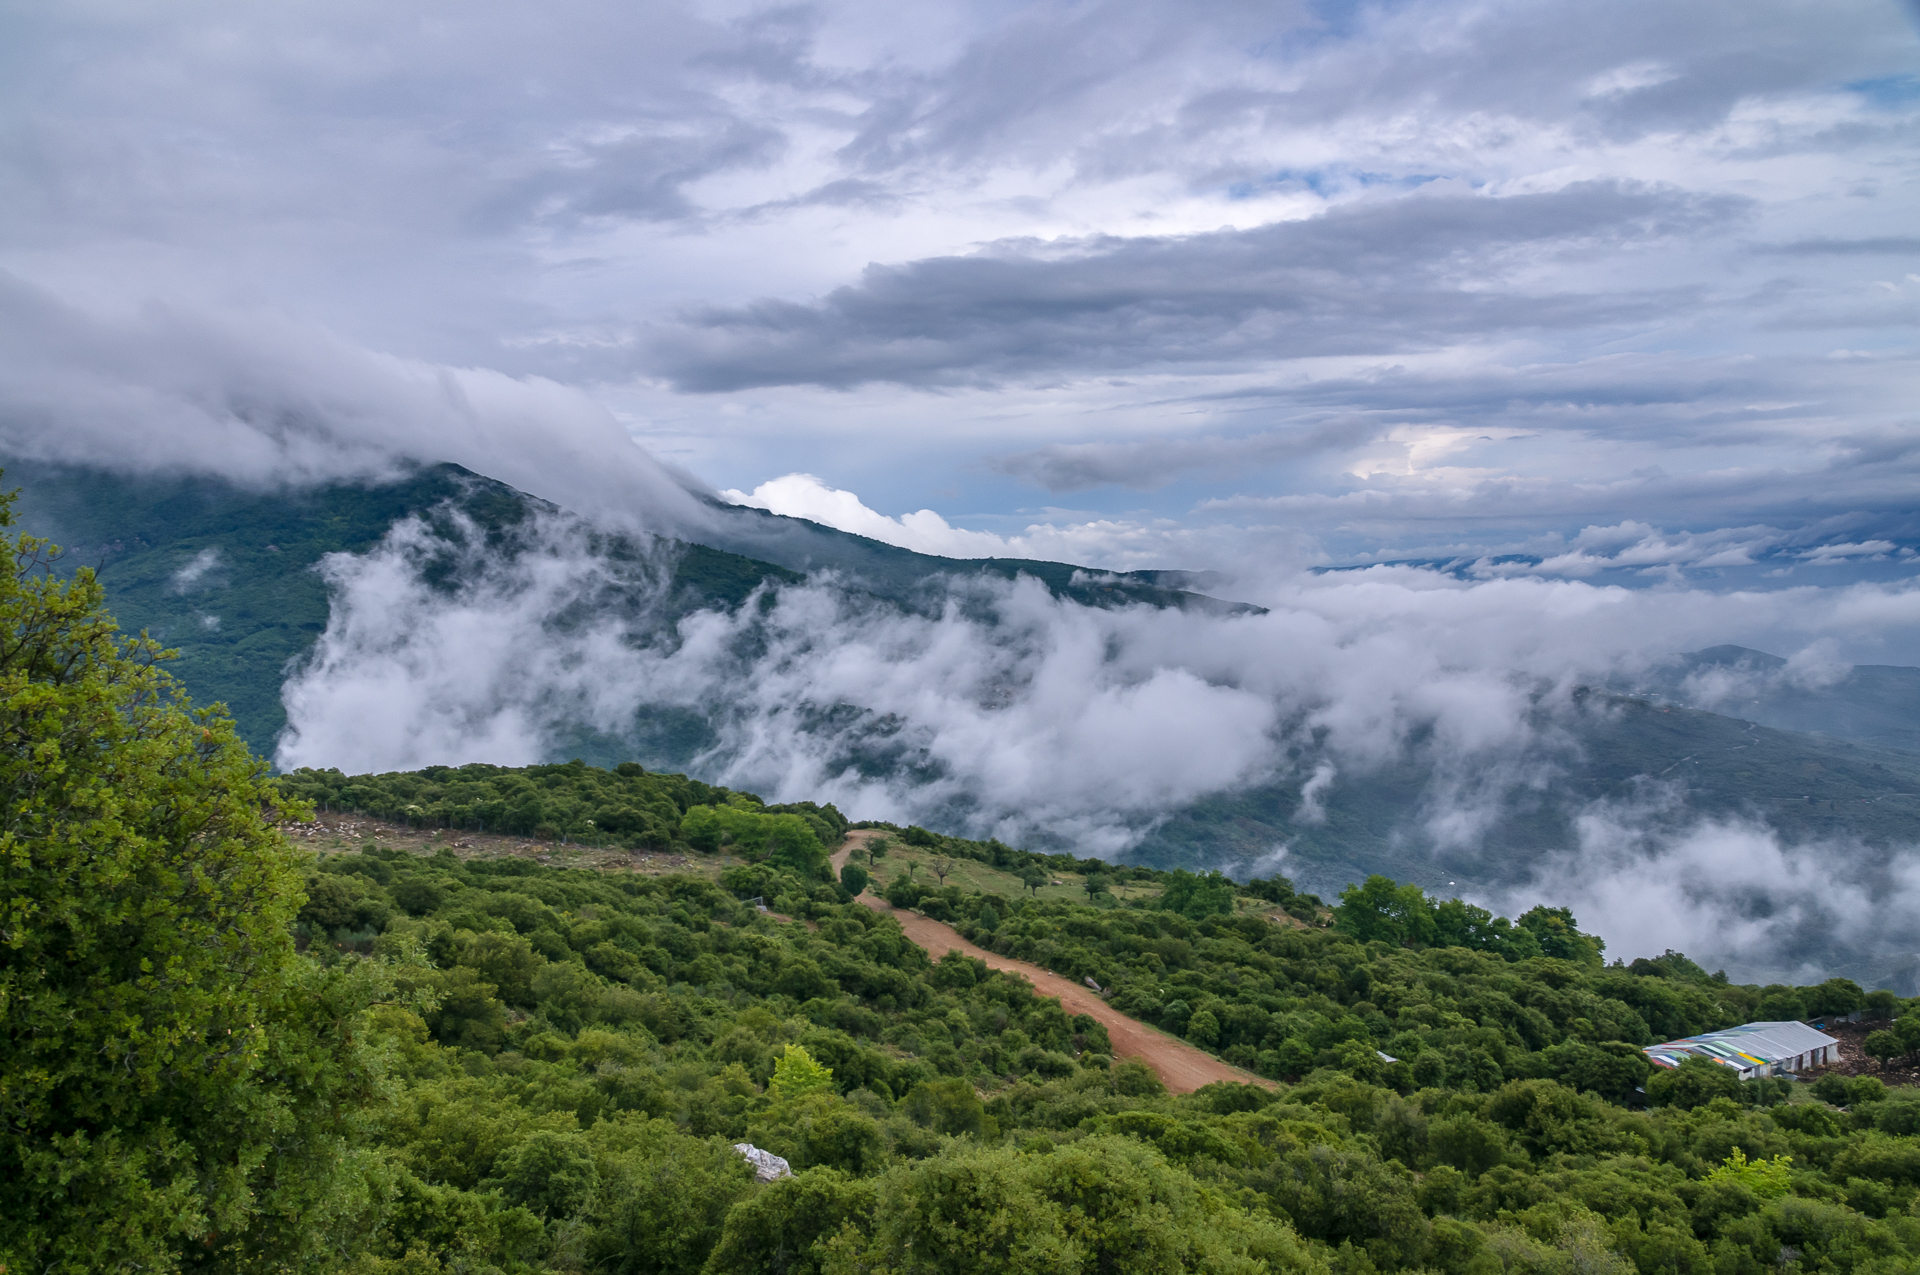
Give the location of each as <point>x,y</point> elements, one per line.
<point>1633,287</point>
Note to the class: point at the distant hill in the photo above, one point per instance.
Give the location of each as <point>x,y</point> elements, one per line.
<point>1808,787</point>
<point>1870,703</point>
<point>226,575</point>
<point>902,574</point>
<point>167,547</point>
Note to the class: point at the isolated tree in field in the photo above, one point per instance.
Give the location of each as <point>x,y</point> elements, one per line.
<point>877,850</point>
<point>1097,884</point>
<point>1033,879</point>
<point>174,1079</point>
<point>941,866</point>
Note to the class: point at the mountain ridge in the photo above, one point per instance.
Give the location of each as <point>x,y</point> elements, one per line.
<point>161,543</point>
<point>176,553</point>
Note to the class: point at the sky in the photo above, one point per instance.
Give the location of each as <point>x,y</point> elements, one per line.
<point>1625,292</point>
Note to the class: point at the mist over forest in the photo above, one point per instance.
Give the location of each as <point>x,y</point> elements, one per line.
<point>1514,740</point>
<point>733,636</point>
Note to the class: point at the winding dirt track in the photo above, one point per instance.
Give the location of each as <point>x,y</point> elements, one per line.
<point>1182,1068</point>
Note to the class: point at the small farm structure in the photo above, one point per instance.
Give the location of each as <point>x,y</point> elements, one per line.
<point>1753,1049</point>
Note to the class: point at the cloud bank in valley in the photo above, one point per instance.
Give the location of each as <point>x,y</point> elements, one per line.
<point>1546,299</point>
<point>1009,712</point>
<point>1734,893</point>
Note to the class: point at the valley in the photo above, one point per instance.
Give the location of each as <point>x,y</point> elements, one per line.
<point>661,650</point>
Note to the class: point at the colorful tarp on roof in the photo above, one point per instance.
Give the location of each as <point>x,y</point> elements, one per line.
<point>1747,1047</point>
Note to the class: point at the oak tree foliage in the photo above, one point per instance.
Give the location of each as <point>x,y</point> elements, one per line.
<point>173,1078</point>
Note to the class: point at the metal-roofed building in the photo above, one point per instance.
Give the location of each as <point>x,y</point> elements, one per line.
<point>1754,1049</point>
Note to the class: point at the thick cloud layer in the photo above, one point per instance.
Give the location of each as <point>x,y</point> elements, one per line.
<point>1366,279</point>
<point>1734,894</point>
<point>1551,298</point>
<point>1419,276</point>
<point>1013,713</point>
<point>165,392</point>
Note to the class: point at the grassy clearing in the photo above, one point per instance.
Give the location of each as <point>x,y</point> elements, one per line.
<point>973,876</point>
<point>350,834</point>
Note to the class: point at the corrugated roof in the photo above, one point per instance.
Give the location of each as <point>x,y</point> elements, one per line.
<point>1749,1045</point>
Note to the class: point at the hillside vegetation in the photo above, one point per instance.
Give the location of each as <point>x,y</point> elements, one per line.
<point>221,1054</point>
<point>578,1050</point>
<point>226,574</point>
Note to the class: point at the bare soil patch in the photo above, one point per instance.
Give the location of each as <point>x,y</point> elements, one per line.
<point>1854,1060</point>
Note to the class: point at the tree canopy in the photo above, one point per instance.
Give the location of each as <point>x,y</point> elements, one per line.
<point>217,1053</point>
<point>170,1070</point>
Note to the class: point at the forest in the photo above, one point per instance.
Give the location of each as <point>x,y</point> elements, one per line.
<point>226,1052</point>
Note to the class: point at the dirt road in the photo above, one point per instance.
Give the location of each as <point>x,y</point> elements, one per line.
<point>1182,1068</point>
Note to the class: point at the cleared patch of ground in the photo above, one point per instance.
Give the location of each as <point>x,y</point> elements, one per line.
<point>1855,1062</point>
<point>335,833</point>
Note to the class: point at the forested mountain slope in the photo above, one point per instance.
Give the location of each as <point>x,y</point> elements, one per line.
<point>1674,764</point>
<point>227,575</point>
<point>226,1053</point>
<point>1459,1093</point>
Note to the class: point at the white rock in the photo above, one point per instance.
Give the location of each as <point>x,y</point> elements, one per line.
<point>767,1167</point>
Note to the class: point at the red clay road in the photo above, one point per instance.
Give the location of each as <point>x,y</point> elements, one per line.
<point>1182,1068</point>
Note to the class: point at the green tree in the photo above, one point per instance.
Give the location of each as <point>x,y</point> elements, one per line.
<point>1835,998</point>
<point>662,1211</point>
<point>1197,896</point>
<point>786,840</point>
<point>1768,1179</point>
<point>796,1074</point>
<point>1559,935</point>
<point>1105,1204</point>
<point>947,1106</point>
<point>551,1173</point>
<point>1884,1045</point>
<point>854,877</point>
<point>785,1229</point>
<point>1400,915</point>
<point>1694,1083</point>
<point>172,1075</point>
